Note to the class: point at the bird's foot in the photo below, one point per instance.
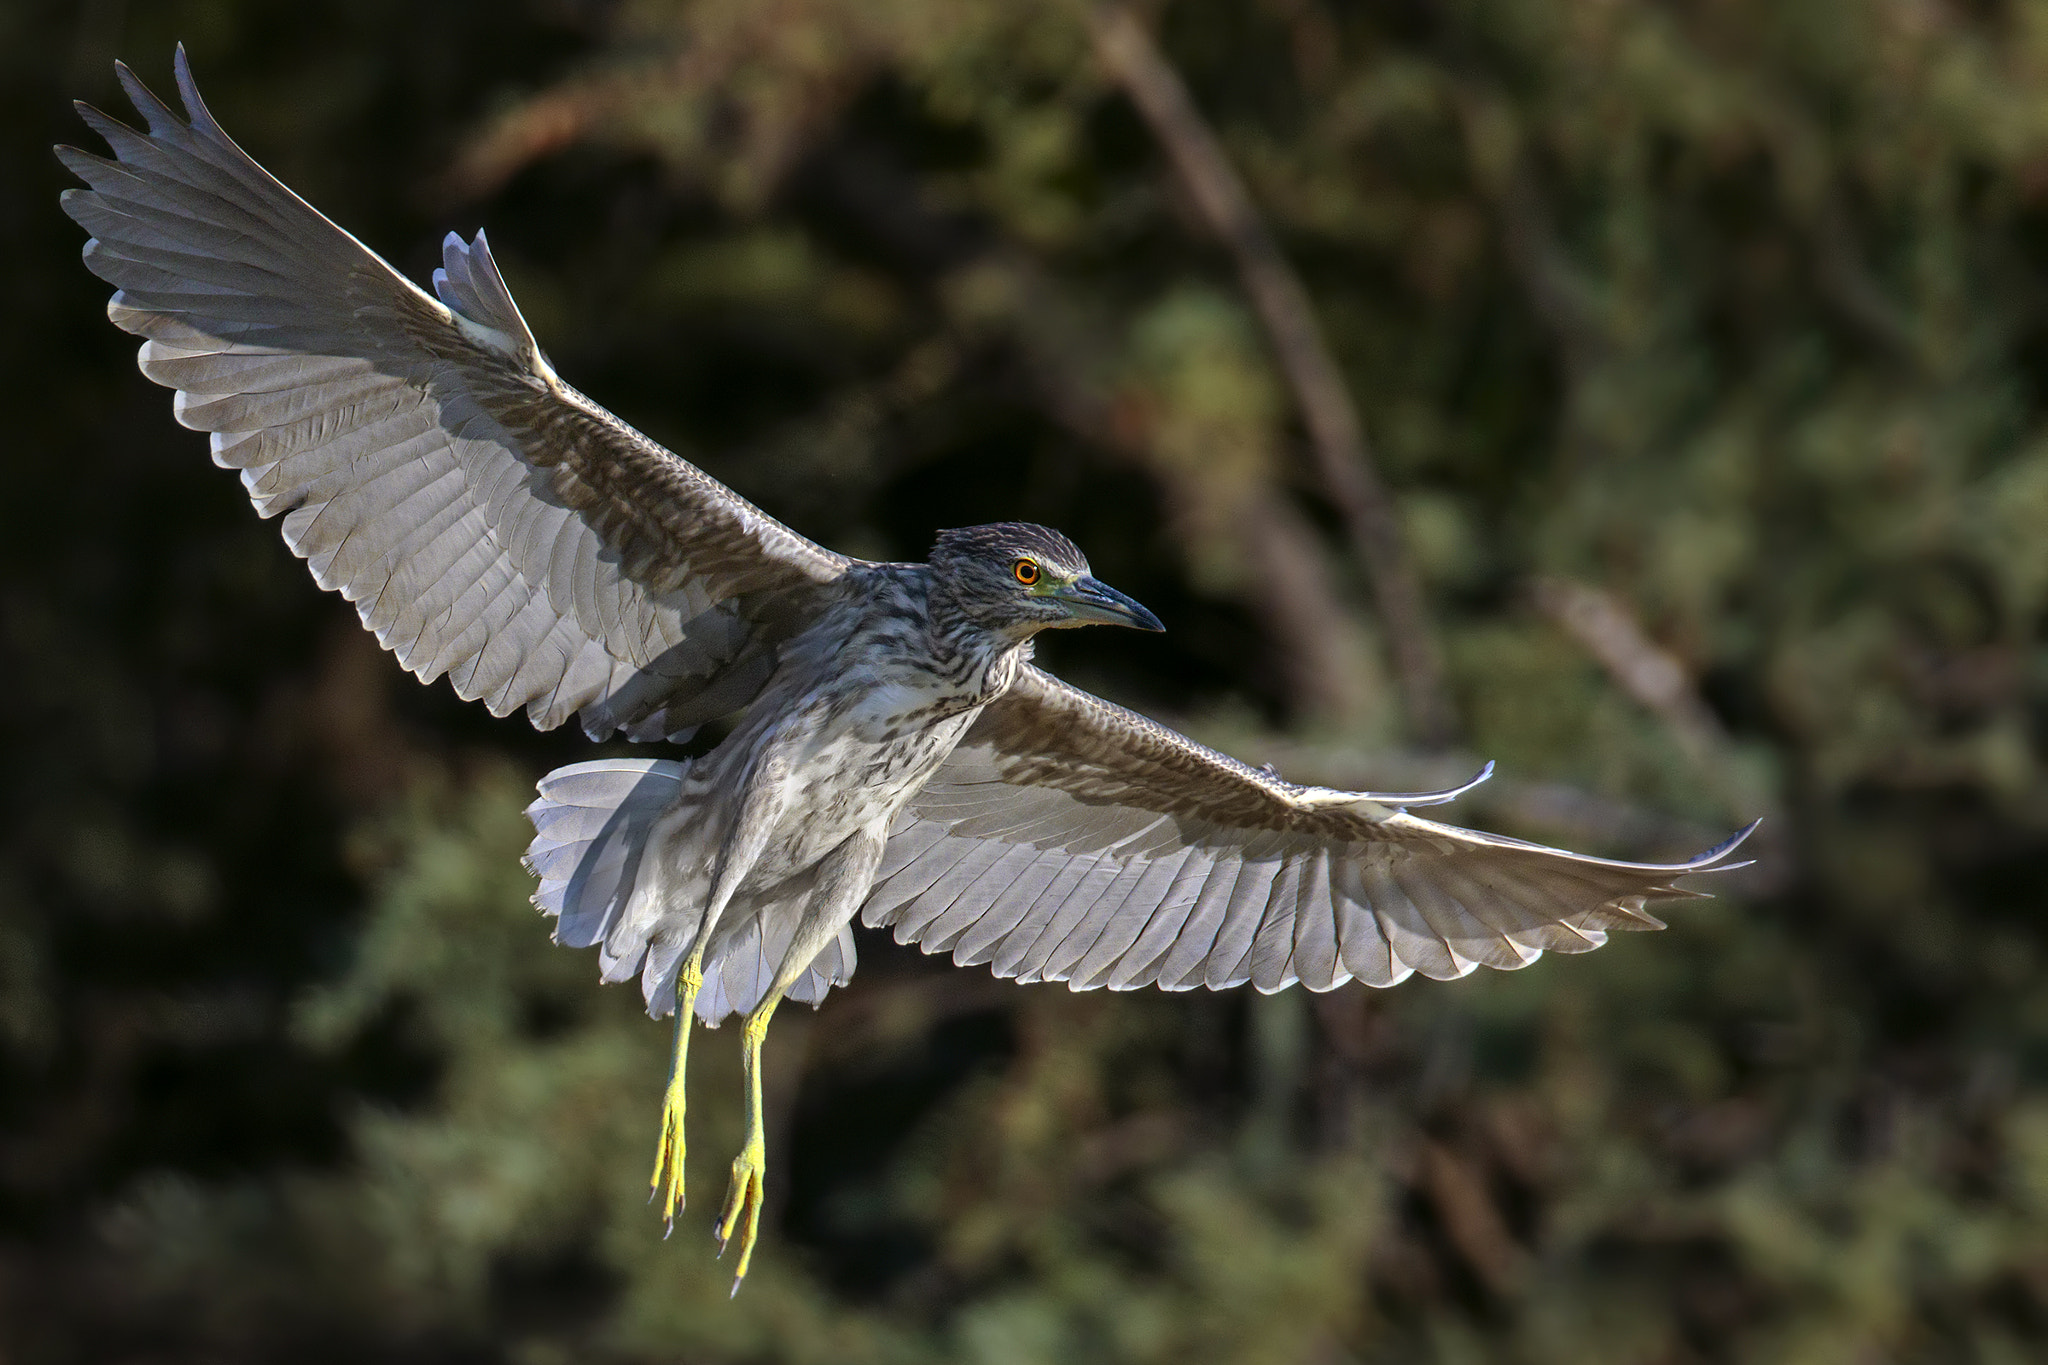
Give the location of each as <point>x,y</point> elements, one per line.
<point>743,1198</point>
<point>667,1182</point>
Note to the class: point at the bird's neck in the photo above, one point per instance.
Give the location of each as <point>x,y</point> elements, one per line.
<point>957,635</point>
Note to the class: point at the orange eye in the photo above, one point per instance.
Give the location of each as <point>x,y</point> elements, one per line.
<point>1026,571</point>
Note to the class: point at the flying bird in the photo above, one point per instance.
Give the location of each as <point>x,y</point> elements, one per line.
<point>897,755</point>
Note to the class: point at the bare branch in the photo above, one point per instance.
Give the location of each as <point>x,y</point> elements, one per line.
<point>1336,434</point>
<point>1639,666</point>
<point>1293,594</point>
<point>1657,681</point>
<point>1472,1220</point>
<point>1288,584</point>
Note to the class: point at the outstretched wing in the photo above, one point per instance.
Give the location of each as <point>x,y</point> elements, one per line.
<point>1067,839</point>
<point>488,521</point>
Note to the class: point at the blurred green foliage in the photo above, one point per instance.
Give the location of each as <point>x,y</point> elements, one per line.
<point>1734,310</point>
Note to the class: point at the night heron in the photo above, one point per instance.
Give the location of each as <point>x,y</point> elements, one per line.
<point>899,757</point>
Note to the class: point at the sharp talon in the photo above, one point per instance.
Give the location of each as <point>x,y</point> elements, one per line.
<point>735,1286</point>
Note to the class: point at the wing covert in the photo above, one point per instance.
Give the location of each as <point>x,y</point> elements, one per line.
<point>488,521</point>
<point>1068,839</point>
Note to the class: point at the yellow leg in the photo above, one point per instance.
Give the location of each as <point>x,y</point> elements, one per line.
<point>744,1195</point>
<point>668,1155</point>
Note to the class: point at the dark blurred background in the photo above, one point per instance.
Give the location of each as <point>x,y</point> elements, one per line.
<point>1703,348</point>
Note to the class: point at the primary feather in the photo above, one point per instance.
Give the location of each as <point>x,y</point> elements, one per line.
<point>489,522</point>
<point>1211,872</point>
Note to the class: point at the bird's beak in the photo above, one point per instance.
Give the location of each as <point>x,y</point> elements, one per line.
<point>1090,601</point>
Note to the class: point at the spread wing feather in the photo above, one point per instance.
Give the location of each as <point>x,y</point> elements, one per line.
<point>1067,839</point>
<point>488,521</point>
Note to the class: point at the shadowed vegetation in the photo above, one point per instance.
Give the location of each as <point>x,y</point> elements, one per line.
<point>1703,350</point>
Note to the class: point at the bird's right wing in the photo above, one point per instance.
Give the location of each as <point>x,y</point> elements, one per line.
<point>488,521</point>
<point>1067,839</point>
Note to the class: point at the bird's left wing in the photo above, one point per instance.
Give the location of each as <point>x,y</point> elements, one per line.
<point>488,521</point>
<point>1067,839</point>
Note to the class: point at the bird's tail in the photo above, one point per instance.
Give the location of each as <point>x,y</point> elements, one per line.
<point>593,824</point>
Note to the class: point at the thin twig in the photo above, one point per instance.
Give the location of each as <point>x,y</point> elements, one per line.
<point>1288,585</point>
<point>1336,434</point>
<point>1642,668</point>
<point>1659,682</point>
<point>1472,1220</point>
<point>1847,282</point>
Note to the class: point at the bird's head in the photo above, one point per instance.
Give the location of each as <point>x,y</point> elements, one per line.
<point>1018,579</point>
